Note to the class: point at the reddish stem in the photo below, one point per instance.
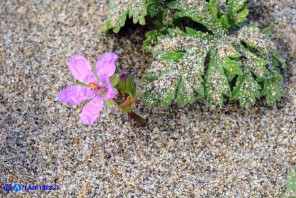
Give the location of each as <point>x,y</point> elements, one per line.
<point>137,118</point>
<point>133,115</point>
<point>125,96</point>
<point>116,101</point>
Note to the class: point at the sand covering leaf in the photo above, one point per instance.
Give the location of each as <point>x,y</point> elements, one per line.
<point>203,49</point>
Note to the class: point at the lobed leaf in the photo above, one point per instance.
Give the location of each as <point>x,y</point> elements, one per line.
<point>120,10</point>
<point>247,90</point>
<point>272,88</point>
<point>216,84</point>
<point>155,6</point>
<point>200,11</point>
<point>216,58</point>
<point>236,12</point>
<point>181,74</point>
<point>181,79</point>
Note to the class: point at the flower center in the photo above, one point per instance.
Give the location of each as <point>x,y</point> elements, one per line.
<point>93,86</point>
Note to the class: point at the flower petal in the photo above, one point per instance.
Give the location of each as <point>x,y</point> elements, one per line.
<point>110,92</point>
<point>106,64</point>
<point>80,67</point>
<point>91,110</point>
<point>75,94</point>
<point>90,78</point>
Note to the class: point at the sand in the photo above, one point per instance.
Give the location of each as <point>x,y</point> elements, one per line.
<point>183,152</point>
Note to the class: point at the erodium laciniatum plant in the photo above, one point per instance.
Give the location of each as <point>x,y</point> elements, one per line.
<point>202,49</point>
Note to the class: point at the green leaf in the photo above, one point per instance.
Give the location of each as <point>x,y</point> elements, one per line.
<point>171,56</point>
<point>224,21</point>
<point>234,55</point>
<point>191,64</point>
<point>168,96</point>
<point>176,76</point>
<point>241,16</point>
<point>120,10</point>
<point>151,37</point>
<point>272,88</point>
<point>150,97</point>
<point>230,76</point>
<point>201,12</point>
<point>127,86</point>
<point>257,65</point>
<point>196,34</point>
<point>177,72</point>
<point>114,80</point>
<point>277,60</point>
<point>154,7</point>
<point>247,90</point>
<point>164,88</point>
<point>252,36</point>
<point>266,31</point>
<point>235,5</point>
<point>233,67</point>
<point>237,12</point>
<point>161,89</point>
<point>150,76</point>
<point>216,83</point>
<point>185,96</point>
<point>193,33</point>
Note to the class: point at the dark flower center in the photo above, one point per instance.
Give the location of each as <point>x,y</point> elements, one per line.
<point>123,75</point>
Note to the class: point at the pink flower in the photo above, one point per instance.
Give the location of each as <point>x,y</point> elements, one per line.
<point>95,91</point>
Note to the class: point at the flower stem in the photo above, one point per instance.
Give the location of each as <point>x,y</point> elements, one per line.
<point>142,121</point>
<point>139,119</point>
<point>116,101</point>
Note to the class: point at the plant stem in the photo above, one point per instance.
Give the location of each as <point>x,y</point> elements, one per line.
<point>139,119</point>
<point>142,121</point>
<point>116,101</point>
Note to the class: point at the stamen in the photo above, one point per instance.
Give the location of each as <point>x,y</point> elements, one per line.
<point>93,86</point>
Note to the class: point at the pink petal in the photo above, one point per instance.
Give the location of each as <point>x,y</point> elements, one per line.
<point>90,78</point>
<point>80,67</point>
<point>91,110</point>
<point>106,64</point>
<point>110,92</point>
<point>75,94</point>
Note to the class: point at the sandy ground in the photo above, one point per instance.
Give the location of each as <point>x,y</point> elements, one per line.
<point>182,152</point>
